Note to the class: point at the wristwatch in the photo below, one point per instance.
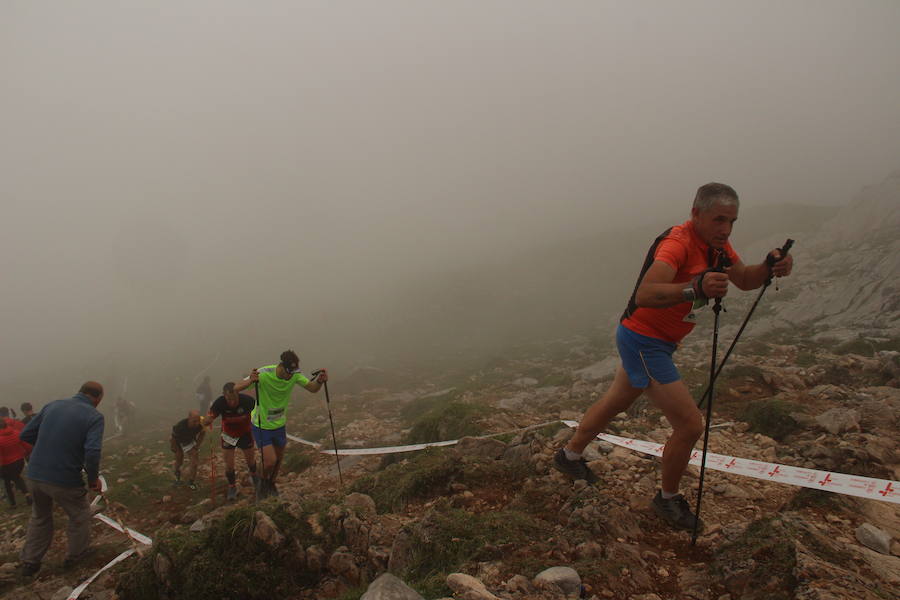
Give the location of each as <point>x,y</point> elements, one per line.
<point>689,294</point>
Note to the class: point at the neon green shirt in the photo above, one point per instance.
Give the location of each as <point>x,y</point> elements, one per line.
<point>274,397</point>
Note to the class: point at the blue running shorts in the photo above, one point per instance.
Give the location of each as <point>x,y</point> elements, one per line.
<point>645,358</point>
<point>270,437</point>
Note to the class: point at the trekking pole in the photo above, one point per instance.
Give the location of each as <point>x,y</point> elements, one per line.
<point>717,308</point>
<point>770,261</point>
<point>333,436</point>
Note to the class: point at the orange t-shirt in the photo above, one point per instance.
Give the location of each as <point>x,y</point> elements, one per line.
<point>683,250</point>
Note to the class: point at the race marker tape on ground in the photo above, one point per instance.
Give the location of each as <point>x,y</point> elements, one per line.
<point>839,483</point>
<point>77,591</point>
<point>131,533</point>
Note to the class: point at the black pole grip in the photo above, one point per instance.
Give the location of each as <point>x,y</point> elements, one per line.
<point>770,260</point>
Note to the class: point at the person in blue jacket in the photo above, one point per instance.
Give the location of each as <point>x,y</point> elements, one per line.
<point>67,436</point>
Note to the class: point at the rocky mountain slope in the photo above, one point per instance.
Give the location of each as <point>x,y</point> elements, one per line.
<point>815,384</point>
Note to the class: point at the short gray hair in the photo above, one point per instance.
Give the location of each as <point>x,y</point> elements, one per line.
<point>715,193</point>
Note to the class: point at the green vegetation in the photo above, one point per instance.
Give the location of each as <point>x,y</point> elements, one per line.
<point>297,459</point>
<point>429,473</point>
<point>810,498</point>
<point>422,406</point>
<point>449,538</point>
<point>198,560</point>
<point>447,422</point>
<point>771,417</point>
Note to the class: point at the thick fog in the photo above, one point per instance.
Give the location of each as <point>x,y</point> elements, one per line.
<point>200,185</point>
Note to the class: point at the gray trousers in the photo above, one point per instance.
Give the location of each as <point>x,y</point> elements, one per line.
<point>40,528</point>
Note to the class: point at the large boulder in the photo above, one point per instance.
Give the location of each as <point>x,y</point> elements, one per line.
<point>266,530</point>
<point>565,578</point>
<point>389,587</point>
<point>466,587</point>
<point>839,420</point>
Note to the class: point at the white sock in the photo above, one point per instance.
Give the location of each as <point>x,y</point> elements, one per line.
<point>668,495</point>
<point>571,455</point>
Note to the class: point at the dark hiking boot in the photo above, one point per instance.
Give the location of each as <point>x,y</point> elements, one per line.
<point>29,569</point>
<point>273,489</point>
<point>676,512</point>
<point>192,485</point>
<point>576,469</point>
<point>232,493</point>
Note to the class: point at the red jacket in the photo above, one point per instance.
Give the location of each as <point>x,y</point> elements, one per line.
<point>11,447</point>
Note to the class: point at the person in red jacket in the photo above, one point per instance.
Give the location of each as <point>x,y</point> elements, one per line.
<point>12,458</point>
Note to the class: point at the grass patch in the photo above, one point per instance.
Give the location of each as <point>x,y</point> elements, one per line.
<point>448,538</point>
<point>425,474</point>
<point>296,459</point>
<point>816,499</point>
<point>199,559</point>
<point>447,422</point>
<point>771,417</point>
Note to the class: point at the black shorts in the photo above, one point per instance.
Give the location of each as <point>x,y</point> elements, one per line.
<point>244,442</point>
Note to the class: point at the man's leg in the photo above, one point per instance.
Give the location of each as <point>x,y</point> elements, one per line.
<point>620,395</point>
<point>179,459</point>
<point>10,495</point>
<point>40,526</point>
<point>75,502</point>
<point>228,455</point>
<point>250,459</point>
<point>279,457</point>
<point>194,458</point>
<point>676,402</point>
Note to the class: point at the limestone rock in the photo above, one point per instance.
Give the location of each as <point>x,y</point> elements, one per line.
<point>266,530</point>
<point>874,538</point>
<point>466,587</point>
<point>198,525</point>
<point>839,420</point>
<point>389,587</point>
<point>344,566</point>
<point>162,566</point>
<point>566,578</point>
<point>315,559</point>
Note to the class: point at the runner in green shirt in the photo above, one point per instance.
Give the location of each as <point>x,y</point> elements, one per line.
<point>274,386</point>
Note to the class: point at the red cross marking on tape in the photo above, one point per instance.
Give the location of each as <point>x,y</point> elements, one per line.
<point>887,490</point>
<point>731,463</point>
<point>827,480</point>
<point>775,471</point>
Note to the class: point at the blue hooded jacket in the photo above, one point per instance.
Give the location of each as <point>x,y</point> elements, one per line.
<point>67,436</point>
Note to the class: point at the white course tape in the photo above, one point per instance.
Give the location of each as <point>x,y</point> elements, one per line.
<point>410,448</point>
<point>139,537</point>
<point>300,440</point>
<point>77,591</point>
<point>839,483</point>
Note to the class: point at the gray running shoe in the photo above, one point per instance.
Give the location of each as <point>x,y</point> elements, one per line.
<point>676,512</point>
<point>576,469</point>
<point>232,493</point>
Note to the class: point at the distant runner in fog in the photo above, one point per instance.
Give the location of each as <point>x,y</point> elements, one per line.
<point>187,435</point>
<point>274,385</point>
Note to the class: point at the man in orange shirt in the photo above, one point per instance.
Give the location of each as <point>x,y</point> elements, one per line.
<point>677,277</point>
